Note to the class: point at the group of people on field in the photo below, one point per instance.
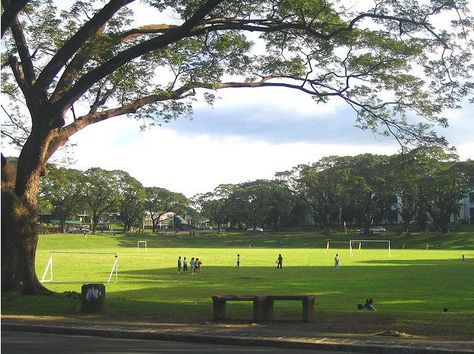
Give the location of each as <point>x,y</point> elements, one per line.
<point>194,265</point>
<point>279,261</point>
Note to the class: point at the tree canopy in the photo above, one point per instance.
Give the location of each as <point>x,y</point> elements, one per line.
<point>388,61</point>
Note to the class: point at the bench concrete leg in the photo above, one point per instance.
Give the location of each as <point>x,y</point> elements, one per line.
<point>261,309</point>
<point>268,310</point>
<point>308,310</point>
<point>258,310</point>
<point>219,310</point>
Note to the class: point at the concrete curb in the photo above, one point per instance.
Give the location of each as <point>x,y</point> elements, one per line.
<point>355,346</point>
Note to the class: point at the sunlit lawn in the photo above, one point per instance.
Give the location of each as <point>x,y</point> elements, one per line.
<point>412,285</point>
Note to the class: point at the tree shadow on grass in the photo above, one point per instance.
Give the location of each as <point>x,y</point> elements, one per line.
<point>404,291</point>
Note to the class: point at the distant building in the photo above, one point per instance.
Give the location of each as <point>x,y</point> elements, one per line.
<point>166,221</point>
<point>466,209</point>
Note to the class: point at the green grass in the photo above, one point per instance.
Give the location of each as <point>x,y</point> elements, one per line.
<point>410,288</point>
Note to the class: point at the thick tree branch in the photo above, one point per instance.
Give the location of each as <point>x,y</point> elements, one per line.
<point>174,35</point>
<point>11,10</point>
<point>24,53</point>
<point>96,117</point>
<point>77,41</point>
<point>73,69</point>
<point>20,79</point>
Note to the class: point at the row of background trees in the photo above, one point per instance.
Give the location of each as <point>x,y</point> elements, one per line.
<point>424,186</point>
<point>68,192</point>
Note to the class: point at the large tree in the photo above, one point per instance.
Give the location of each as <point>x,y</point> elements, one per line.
<point>63,189</point>
<point>318,185</point>
<point>131,200</point>
<point>443,182</point>
<point>213,205</point>
<point>78,67</point>
<point>101,193</point>
<point>364,186</point>
<point>159,201</point>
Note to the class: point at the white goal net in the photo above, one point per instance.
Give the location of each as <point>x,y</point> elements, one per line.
<point>81,266</point>
<point>357,245</point>
<point>335,245</point>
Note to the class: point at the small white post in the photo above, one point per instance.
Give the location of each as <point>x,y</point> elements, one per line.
<point>389,249</point>
<point>350,247</point>
<point>49,267</point>
<point>114,270</point>
<point>327,247</point>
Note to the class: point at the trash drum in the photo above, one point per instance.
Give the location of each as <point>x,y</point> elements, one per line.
<point>93,297</point>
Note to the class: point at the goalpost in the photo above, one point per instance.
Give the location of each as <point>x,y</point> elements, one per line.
<point>329,243</point>
<point>49,266</point>
<point>143,245</point>
<point>363,241</point>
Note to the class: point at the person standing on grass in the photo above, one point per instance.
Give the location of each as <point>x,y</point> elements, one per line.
<point>185,265</point>
<point>238,261</point>
<point>197,266</point>
<point>336,261</point>
<point>179,264</point>
<point>192,264</point>
<point>279,261</point>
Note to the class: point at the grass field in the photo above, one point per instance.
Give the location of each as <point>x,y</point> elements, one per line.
<point>410,288</point>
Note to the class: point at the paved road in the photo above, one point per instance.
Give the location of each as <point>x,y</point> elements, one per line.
<point>41,343</point>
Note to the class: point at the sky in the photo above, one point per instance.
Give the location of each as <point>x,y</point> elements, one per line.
<point>248,134</point>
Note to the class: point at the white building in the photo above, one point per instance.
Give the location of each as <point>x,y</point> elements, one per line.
<point>466,208</point>
<point>166,220</point>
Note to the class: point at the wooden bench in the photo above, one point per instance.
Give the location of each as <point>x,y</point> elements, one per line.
<point>263,305</point>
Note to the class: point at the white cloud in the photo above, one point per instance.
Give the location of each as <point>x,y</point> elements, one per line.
<point>196,164</point>
<point>301,105</point>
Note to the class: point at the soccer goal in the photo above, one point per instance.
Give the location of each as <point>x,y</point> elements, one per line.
<point>142,245</point>
<point>85,258</point>
<point>330,244</point>
<point>358,245</point>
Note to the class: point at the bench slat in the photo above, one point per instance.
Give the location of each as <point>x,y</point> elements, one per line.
<point>235,297</point>
<point>291,297</point>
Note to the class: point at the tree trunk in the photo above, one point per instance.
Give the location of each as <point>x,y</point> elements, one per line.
<point>95,220</point>
<point>406,225</point>
<point>327,223</point>
<point>19,238</point>
<point>443,224</point>
<point>62,225</point>
<point>366,226</point>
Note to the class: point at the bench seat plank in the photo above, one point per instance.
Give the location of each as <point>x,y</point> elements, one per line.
<point>291,297</point>
<point>235,297</point>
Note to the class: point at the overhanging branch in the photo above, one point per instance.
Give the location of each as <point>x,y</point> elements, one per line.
<point>77,41</point>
